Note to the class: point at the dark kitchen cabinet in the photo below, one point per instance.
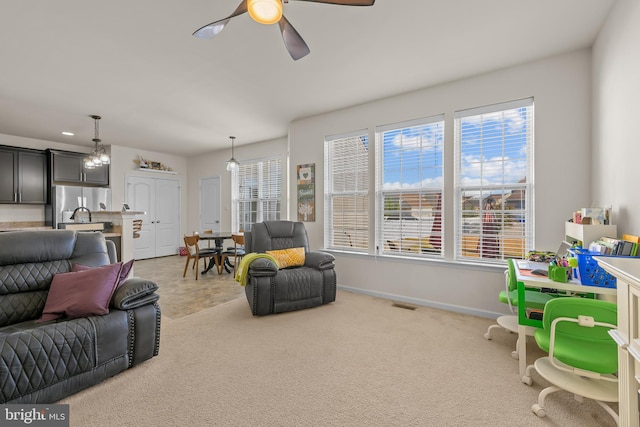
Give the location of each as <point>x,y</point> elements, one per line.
<point>68,168</point>
<point>23,176</point>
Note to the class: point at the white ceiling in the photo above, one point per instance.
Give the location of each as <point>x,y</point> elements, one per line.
<point>135,63</point>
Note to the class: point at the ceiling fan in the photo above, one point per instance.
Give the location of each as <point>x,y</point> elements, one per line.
<point>270,12</point>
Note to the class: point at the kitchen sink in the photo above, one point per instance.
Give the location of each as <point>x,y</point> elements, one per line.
<point>82,226</point>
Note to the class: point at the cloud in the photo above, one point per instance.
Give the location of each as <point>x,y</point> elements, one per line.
<point>492,171</point>
<point>514,118</point>
<point>419,137</point>
<point>428,184</point>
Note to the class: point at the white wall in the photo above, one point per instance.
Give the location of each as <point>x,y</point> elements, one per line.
<point>214,164</point>
<point>616,134</point>
<point>561,87</point>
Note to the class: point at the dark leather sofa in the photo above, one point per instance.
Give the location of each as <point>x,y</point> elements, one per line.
<point>44,362</point>
<point>272,290</point>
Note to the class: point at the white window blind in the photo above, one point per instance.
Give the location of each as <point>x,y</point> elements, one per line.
<point>494,181</point>
<point>409,187</point>
<point>256,192</point>
<point>347,192</point>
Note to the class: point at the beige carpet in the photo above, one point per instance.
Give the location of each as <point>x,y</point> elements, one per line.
<point>356,362</point>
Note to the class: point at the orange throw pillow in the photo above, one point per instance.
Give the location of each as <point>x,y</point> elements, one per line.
<point>292,257</point>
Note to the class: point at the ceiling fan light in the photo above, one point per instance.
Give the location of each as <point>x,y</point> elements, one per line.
<point>265,11</point>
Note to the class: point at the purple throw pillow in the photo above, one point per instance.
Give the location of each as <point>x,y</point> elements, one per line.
<point>81,293</point>
<point>124,273</point>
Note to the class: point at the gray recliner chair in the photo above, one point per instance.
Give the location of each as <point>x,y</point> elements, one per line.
<point>270,290</point>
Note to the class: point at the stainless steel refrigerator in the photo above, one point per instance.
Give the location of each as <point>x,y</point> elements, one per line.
<point>66,198</point>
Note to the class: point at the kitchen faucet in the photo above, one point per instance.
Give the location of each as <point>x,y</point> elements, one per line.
<point>73,215</point>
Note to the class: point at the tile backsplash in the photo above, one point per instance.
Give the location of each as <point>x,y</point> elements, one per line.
<point>10,213</point>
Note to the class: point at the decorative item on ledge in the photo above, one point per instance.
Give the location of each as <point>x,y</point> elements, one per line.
<point>148,164</point>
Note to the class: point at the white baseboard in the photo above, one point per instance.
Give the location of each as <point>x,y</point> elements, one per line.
<point>426,303</point>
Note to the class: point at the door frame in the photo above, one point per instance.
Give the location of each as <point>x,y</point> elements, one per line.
<point>201,199</point>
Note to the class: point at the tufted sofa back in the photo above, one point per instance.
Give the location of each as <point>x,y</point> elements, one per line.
<point>29,260</point>
<point>274,235</point>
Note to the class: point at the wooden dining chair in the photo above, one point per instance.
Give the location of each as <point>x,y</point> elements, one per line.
<point>195,253</point>
<point>208,241</point>
<point>236,252</point>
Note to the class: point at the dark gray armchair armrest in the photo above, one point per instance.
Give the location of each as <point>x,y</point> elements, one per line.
<point>319,260</point>
<point>134,293</point>
<point>261,267</point>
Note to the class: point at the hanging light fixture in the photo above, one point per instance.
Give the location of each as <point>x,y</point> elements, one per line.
<point>232,163</point>
<point>265,11</point>
<point>98,156</point>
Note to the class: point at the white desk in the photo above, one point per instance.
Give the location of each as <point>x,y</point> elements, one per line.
<point>524,280</point>
<point>627,334</point>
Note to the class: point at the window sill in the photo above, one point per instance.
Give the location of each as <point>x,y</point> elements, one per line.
<point>425,261</point>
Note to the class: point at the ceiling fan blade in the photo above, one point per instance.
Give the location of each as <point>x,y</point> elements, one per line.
<point>212,30</point>
<point>345,2</point>
<point>292,40</point>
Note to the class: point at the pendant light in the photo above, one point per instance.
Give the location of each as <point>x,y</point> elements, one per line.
<point>98,156</point>
<point>232,163</point>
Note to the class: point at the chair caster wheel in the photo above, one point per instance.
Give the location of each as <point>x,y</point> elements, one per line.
<point>487,336</point>
<point>538,410</point>
<point>515,355</point>
<point>527,380</point>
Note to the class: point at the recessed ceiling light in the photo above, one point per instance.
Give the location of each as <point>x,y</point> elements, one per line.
<point>68,133</point>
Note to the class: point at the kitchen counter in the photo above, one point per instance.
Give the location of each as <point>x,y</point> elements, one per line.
<point>23,226</point>
<point>118,214</point>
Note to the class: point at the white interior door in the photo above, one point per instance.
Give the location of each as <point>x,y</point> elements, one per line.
<point>159,199</point>
<point>141,197</point>
<point>167,216</point>
<point>210,204</point>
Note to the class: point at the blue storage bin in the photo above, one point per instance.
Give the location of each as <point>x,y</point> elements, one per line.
<point>590,273</point>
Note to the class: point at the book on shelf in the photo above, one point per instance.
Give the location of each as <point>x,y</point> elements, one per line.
<point>627,246</point>
<point>604,246</point>
<point>634,240</point>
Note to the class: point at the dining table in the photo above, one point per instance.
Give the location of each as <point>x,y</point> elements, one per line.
<point>218,237</point>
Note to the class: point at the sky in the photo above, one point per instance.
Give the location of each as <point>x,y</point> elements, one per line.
<point>493,152</point>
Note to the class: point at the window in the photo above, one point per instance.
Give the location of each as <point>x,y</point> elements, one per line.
<point>493,181</point>
<point>346,159</point>
<point>256,193</point>
<point>409,187</point>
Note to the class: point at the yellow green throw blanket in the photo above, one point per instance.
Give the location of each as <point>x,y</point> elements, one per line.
<point>243,269</point>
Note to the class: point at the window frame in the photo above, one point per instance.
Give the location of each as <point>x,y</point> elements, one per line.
<point>515,230</point>
<point>421,236</point>
<point>357,176</point>
<point>261,165</point>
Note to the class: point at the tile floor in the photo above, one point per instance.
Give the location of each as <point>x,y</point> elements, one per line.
<point>183,296</point>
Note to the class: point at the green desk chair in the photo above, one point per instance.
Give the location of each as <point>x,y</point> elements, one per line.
<point>583,358</point>
<point>534,299</point>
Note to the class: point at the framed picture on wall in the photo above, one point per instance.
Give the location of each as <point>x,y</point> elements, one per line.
<point>306,191</point>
